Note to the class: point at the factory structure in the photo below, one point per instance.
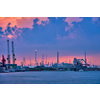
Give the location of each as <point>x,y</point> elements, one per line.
<point>78,64</point>
<point>3,65</point>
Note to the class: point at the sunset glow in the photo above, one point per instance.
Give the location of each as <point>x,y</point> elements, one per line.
<point>70,36</point>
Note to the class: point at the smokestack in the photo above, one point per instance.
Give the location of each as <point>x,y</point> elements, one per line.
<point>85,58</point>
<point>42,59</point>
<point>46,60</point>
<point>24,61</point>
<point>57,57</point>
<point>36,57</point>
<point>30,61</point>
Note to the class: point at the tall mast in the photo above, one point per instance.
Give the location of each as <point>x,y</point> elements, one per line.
<point>8,54</point>
<point>13,55</point>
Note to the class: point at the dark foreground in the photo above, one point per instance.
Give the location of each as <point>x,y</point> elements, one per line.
<point>51,77</point>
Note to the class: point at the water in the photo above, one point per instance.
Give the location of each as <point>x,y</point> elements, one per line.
<point>50,77</point>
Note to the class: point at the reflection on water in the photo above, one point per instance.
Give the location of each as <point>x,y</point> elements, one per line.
<point>51,77</point>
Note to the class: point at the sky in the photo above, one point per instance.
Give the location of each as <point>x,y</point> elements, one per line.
<point>70,36</point>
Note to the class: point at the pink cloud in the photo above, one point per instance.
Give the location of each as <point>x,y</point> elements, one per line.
<point>71,35</point>
<point>65,37</point>
<point>2,35</point>
<point>42,19</point>
<point>13,34</point>
<point>70,20</point>
<point>21,22</point>
<point>19,34</point>
<point>5,20</point>
<point>10,36</point>
<point>95,19</point>
<point>67,28</point>
<point>58,37</point>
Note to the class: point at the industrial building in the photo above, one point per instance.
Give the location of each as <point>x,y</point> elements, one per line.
<point>76,66</point>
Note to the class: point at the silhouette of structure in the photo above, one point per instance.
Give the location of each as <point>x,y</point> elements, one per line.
<point>30,61</point>
<point>42,59</point>
<point>3,61</point>
<point>24,61</point>
<point>8,54</point>
<point>46,60</point>
<point>85,59</point>
<point>35,57</point>
<point>57,57</point>
<point>13,55</point>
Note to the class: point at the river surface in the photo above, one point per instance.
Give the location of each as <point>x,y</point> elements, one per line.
<point>50,77</point>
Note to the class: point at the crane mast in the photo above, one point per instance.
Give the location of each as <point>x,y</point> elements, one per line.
<point>13,55</point>
<point>8,54</point>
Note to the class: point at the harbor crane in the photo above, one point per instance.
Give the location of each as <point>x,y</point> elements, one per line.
<point>8,54</point>
<point>13,55</point>
<point>84,62</point>
<point>3,61</point>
